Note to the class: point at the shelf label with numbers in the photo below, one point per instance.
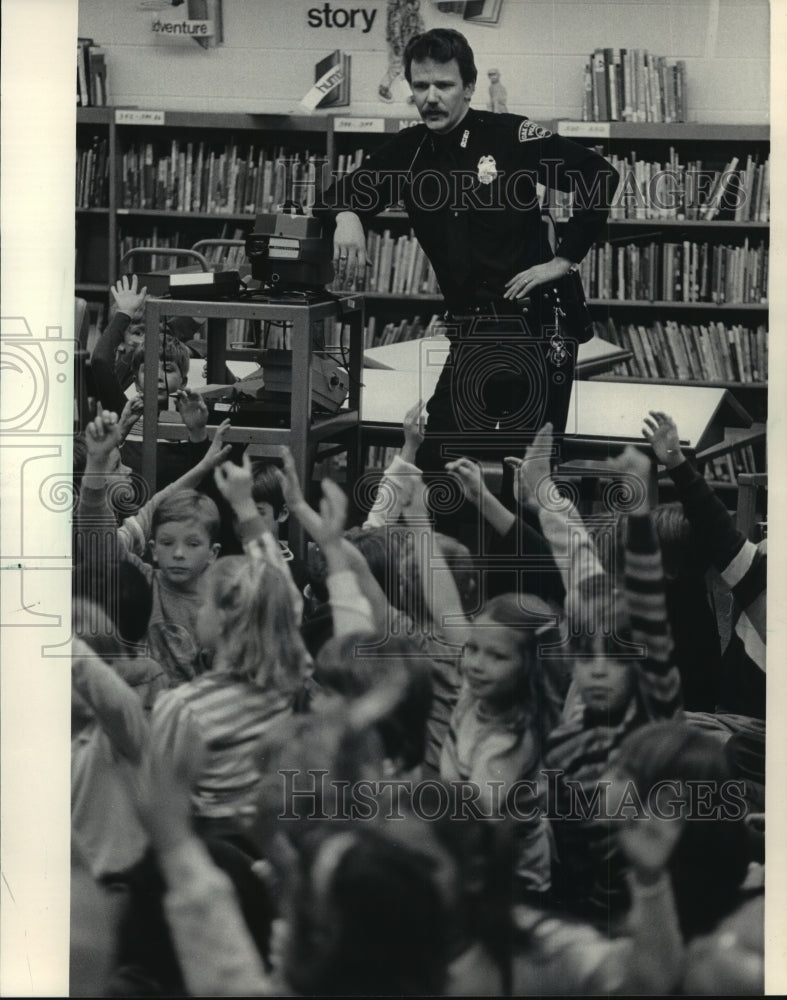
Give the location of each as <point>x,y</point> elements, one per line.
<point>359,125</point>
<point>138,116</point>
<point>588,130</point>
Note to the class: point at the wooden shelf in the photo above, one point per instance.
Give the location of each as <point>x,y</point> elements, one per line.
<point>681,223</point>
<point>673,132</point>
<point>156,213</point>
<point>91,287</point>
<point>392,296</point>
<point>92,211</point>
<point>694,306</point>
<point>707,384</point>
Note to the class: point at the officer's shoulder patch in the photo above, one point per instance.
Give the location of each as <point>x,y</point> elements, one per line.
<point>529,130</point>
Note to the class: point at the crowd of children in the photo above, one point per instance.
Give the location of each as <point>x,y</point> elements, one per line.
<point>397,767</point>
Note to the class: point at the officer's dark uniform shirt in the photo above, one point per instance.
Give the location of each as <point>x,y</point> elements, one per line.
<point>472,200</point>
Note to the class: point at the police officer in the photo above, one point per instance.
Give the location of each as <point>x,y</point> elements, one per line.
<point>468,180</point>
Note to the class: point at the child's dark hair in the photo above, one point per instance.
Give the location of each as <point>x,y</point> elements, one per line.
<point>679,553</point>
<point>343,668</point>
<point>266,486</point>
<point>442,45</point>
<point>369,917</point>
<point>711,858</point>
<point>169,350</point>
<point>123,592</point>
<point>372,543</point>
<point>187,505</point>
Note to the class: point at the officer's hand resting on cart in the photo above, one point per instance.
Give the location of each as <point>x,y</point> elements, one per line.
<point>349,251</point>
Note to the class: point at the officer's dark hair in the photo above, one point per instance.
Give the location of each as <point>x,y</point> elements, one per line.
<point>442,45</point>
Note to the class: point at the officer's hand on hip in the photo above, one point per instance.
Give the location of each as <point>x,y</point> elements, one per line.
<point>522,284</point>
<point>349,251</point>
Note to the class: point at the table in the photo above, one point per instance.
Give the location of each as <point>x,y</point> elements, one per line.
<point>306,429</point>
<point>602,418</point>
<point>593,357</point>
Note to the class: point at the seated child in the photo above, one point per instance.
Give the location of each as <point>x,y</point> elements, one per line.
<point>109,734</point>
<point>742,564</point>
<point>178,527</point>
<point>622,679</point>
<point>507,706</point>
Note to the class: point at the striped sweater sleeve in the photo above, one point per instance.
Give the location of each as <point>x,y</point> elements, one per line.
<point>659,680</point>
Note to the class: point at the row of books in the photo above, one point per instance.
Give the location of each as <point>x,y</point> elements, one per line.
<point>91,74</point>
<point>92,174</point>
<point>677,272</point>
<point>376,335</point>
<point>727,468</point>
<point>694,190</point>
<point>347,162</point>
<point>195,177</point>
<point>398,265</point>
<point>712,352</point>
<point>633,85</point>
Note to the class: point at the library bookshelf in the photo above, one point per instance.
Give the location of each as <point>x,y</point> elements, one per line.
<point>661,278</point>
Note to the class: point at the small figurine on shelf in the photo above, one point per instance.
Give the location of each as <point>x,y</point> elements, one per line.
<point>403,21</point>
<point>498,95</point>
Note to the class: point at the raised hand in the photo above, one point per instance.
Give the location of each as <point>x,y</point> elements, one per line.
<point>648,844</point>
<point>218,452</point>
<point>234,483</point>
<point>193,412</point>
<point>536,467</point>
<point>128,298</point>
<point>471,477</point>
<point>661,433</point>
<point>132,411</point>
<point>290,486</point>
<point>413,426</point>
<point>102,436</point>
<point>333,514</point>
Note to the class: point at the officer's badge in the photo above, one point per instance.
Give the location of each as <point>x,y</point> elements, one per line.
<point>529,130</point>
<point>487,169</point>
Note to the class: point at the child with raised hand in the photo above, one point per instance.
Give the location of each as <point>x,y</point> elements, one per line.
<point>624,676</point>
<point>402,475</point>
<point>506,707</point>
<point>124,335</point>
<point>560,955</point>
<point>364,912</point>
<point>249,624</point>
<point>350,609</point>
<point>572,547</point>
<point>532,565</point>
<point>742,564</point>
<point>178,525</point>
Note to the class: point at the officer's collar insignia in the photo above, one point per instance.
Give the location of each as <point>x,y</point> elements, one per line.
<point>487,169</point>
<point>465,137</point>
<point>529,130</point>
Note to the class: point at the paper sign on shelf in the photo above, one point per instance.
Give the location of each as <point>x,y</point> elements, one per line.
<point>584,129</point>
<point>137,116</point>
<point>359,125</point>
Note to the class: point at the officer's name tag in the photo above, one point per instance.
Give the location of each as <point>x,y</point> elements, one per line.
<point>587,130</point>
